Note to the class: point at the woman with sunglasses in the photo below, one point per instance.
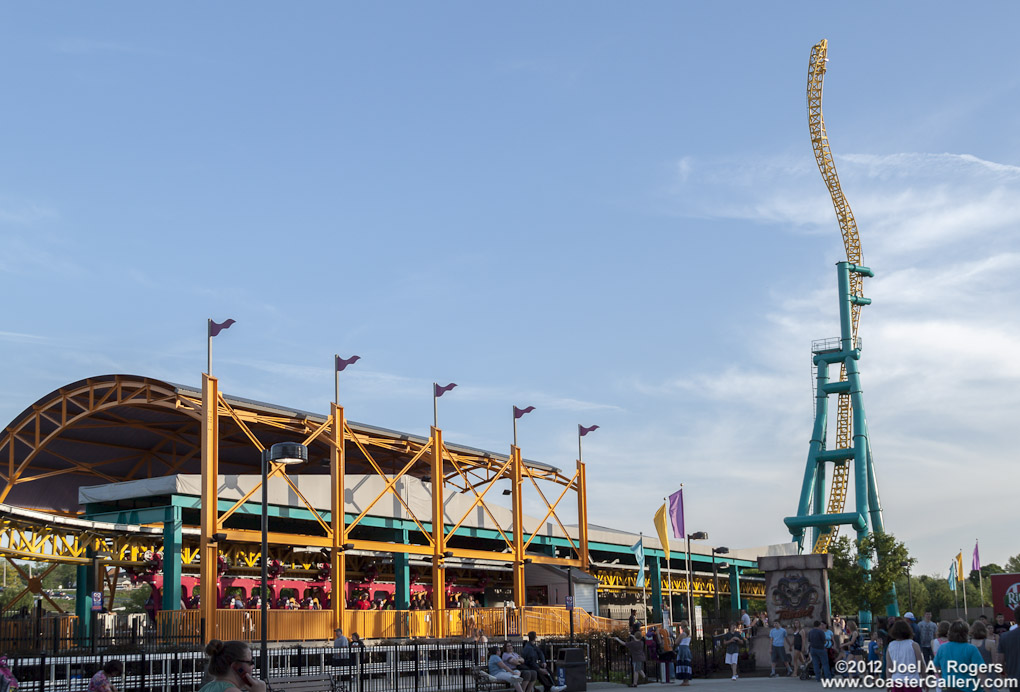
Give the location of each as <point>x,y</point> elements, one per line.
<point>231,668</point>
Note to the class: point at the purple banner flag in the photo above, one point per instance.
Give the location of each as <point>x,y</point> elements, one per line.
<point>438,391</point>
<point>582,431</point>
<point>518,412</point>
<point>676,513</point>
<point>342,363</point>
<point>216,327</point>
<point>975,563</point>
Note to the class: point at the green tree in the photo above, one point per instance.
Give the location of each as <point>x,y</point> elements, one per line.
<point>854,588</point>
<point>986,572</point>
<point>1012,564</point>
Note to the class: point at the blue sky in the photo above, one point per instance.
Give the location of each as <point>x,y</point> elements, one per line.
<point>608,211</point>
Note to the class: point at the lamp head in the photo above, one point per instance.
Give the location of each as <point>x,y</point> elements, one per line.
<point>721,550</point>
<point>698,536</point>
<point>286,453</point>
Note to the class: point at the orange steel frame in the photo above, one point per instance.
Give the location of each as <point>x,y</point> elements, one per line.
<point>93,404</point>
<point>445,468</point>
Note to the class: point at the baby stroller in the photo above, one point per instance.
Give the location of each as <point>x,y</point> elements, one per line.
<point>808,671</point>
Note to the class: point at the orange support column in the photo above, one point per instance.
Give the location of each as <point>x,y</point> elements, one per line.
<point>518,510</point>
<point>438,536</point>
<point>582,515</point>
<point>337,473</point>
<point>208,550</point>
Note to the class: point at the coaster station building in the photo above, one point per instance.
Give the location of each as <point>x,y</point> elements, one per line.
<point>130,474</point>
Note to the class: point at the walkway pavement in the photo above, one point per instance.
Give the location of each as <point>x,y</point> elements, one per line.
<point>755,684</point>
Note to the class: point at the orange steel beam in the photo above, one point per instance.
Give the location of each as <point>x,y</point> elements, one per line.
<point>337,472</point>
<point>275,471</point>
<point>305,502</point>
<point>582,514</point>
<point>554,516</point>
<point>548,560</point>
<point>291,539</point>
<point>240,423</point>
<point>390,482</point>
<point>438,534</point>
<point>479,500</point>
<point>551,510</point>
<point>209,524</point>
<point>383,547</point>
<point>382,473</point>
<point>518,550</point>
<point>84,398</point>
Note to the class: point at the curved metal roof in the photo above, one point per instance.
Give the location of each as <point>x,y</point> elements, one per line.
<point>125,427</point>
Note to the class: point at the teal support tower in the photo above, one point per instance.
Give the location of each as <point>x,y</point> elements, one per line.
<point>866,516</point>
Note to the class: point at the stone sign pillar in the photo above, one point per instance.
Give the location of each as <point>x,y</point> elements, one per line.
<point>797,587</point>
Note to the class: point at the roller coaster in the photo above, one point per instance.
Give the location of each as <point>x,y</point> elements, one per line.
<point>852,449</point>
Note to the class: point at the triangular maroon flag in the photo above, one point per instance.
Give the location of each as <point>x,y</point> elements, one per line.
<point>438,391</point>
<point>582,431</point>
<point>518,412</point>
<point>217,327</point>
<point>342,363</point>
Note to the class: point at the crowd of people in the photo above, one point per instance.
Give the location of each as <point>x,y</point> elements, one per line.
<point>899,649</point>
<point>525,670</point>
<point>670,647</point>
<point>359,599</point>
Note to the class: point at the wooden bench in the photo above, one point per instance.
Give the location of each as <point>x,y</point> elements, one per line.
<point>484,681</point>
<point>303,683</point>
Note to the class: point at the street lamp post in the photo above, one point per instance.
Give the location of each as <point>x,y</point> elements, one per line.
<point>696,536</point>
<point>280,453</point>
<point>910,596</point>
<point>721,550</point>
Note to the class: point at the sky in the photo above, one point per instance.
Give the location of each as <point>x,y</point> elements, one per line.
<point>609,211</point>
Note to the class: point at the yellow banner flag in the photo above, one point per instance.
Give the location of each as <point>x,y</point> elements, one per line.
<point>660,527</point>
<point>959,566</point>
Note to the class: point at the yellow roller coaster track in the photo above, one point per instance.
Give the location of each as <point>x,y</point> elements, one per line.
<point>852,242</point>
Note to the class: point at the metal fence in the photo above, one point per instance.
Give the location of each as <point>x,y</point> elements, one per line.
<point>423,666</point>
<point>184,629</point>
<point>414,667</point>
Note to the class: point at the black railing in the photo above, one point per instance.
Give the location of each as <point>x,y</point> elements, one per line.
<point>419,666</point>
<point>53,636</point>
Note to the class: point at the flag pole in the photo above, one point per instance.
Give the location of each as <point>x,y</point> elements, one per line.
<point>579,458</point>
<point>515,428</point>
<point>981,580</point>
<point>208,349</point>
<point>687,561</point>
<point>956,591</point>
<point>435,405</point>
<point>644,583</point>
<point>959,563</point>
<point>336,386</point>
<point>669,578</point>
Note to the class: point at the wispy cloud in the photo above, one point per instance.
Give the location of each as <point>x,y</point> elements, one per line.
<point>939,369</point>
<point>19,338</point>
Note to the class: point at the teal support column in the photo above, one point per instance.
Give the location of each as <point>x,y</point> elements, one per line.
<point>856,457</point>
<point>735,601</point>
<point>402,577</point>
<point>818,503</point>
<point>172,539</point>
<point>809,488</point>
<point>83,601</point>
<point>656,577</point>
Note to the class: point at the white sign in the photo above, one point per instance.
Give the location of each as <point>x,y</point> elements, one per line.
<point>698,626</point>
